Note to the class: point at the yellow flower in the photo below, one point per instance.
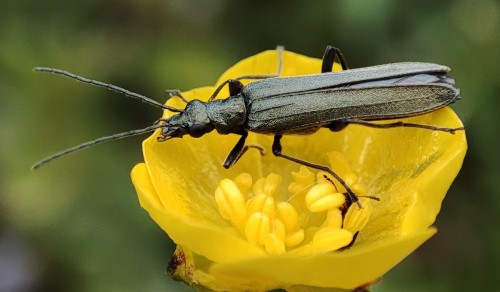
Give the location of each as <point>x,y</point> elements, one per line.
<point>267,223</point>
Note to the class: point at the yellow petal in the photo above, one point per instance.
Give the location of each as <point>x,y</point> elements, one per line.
<point>217,245</point>
<point>347,269</point>
<point>408,169</point>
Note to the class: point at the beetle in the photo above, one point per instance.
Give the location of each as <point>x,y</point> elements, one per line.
<point>301,105</point>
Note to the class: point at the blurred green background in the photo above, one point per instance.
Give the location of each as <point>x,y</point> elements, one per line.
<point>75,225</point>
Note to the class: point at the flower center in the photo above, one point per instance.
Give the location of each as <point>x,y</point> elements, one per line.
<point>314,217</point>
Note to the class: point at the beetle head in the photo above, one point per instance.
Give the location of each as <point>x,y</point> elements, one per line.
<point>192,121</point>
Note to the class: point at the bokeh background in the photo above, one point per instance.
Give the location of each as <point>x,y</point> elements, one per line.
<point>75,225</point>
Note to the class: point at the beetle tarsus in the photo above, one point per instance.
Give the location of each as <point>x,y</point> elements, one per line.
<point>350,244</point>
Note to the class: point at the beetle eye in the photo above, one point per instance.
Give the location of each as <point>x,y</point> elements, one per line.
<point>197,130</point>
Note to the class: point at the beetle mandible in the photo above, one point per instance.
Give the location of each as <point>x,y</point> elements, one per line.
<point>300,105</point>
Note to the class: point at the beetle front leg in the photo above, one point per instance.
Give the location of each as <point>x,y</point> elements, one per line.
<point>235,87</point>
<point>175,93</point>
<point>331,55</point>
<point>239,149</point>
<point>277,152</point>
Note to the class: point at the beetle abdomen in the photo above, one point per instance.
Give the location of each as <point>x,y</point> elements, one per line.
<point>287,85</point>
<point>305,112</point>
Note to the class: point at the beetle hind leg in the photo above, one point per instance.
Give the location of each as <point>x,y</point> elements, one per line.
<point>337,126</point>
<point>277,148</point>
<point>402,124</point>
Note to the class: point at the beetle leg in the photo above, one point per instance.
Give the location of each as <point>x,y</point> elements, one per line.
<point>239,149</point>
<point>175,93</point>
<point>348,246</point>
<point>234,159</point>
<point>277,152</point>
<point>403,124</point>
<point>331,55</point>
<point>279,50</point>
<point>235,86</point>
<point>337,126</point>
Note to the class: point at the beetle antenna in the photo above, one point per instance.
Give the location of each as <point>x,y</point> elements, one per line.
<point>98,141</point>
<point>108,86</point>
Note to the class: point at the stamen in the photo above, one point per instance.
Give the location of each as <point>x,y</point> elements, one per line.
<point>294,238</point>
<point>318,191</point>
<point>261,203</point>
<point>356,219</point>
<point>288,215</point>
<point>244,182</point>
<point>277,226</point>
<point>278,229</point>
<point>231,203</point>
<point>333,219</point>
<point>268,185</point>
<point>274,245</point>
<point>329,239</point>
<point>339,164</point>
<point>322,197</point>
<point>327,202</point>
<point>257,228</point>
<point>302,180</point>
<point>271,184</point>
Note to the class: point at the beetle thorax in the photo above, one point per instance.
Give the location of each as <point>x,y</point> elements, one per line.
<point>228,115</point>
